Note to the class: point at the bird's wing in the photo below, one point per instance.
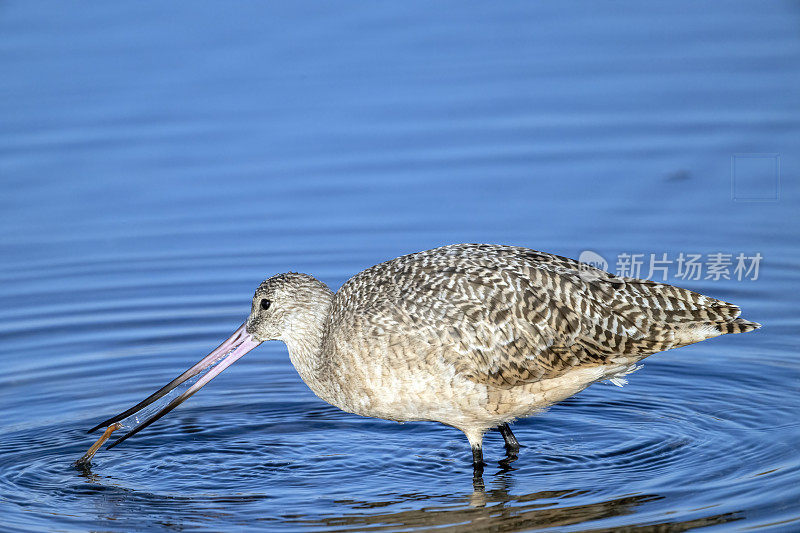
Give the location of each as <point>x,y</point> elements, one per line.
<point>506,316</point>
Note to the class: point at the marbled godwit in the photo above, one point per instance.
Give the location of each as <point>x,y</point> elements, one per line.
<point>470,335</point>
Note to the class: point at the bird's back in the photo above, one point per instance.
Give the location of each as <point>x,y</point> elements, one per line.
<point>505,316</point>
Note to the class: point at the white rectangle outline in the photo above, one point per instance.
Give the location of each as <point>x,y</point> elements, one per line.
<point>776,157</point>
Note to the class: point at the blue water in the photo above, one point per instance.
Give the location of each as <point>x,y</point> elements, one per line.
<point>158,160</point>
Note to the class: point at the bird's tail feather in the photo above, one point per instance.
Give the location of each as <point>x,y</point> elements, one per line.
<point>739,325</point>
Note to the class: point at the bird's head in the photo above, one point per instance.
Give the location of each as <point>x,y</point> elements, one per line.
<point>287,306</point>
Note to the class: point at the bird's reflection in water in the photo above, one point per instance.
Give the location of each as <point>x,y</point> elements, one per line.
<point>497,508</point>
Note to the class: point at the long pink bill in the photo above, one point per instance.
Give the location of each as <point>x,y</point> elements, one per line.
<point>221,358</point>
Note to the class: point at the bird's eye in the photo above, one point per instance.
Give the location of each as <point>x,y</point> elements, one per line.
<point>265,304</point>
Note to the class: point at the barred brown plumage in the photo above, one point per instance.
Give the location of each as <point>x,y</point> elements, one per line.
<point>477,335</point>
<point>470,335</point>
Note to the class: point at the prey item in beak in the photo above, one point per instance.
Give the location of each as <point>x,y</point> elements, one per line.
<point>86,460</point>
<point>221,358</point>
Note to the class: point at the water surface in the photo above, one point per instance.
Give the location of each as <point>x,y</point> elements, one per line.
<point>159,160</point>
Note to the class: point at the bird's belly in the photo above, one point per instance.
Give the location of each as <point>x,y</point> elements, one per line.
<point>446,397</point>
<point>529,398</point>
<point>406,394</point>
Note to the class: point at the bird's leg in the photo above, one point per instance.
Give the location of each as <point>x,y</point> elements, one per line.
<point>477,461</point>
<point>512,445</point>
<point>477,456</point>
<point>475,437</point>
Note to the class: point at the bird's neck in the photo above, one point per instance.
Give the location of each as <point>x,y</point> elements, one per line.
<point>305,335</point>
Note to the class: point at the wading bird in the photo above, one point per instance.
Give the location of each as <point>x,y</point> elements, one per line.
<point>470,335</point>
